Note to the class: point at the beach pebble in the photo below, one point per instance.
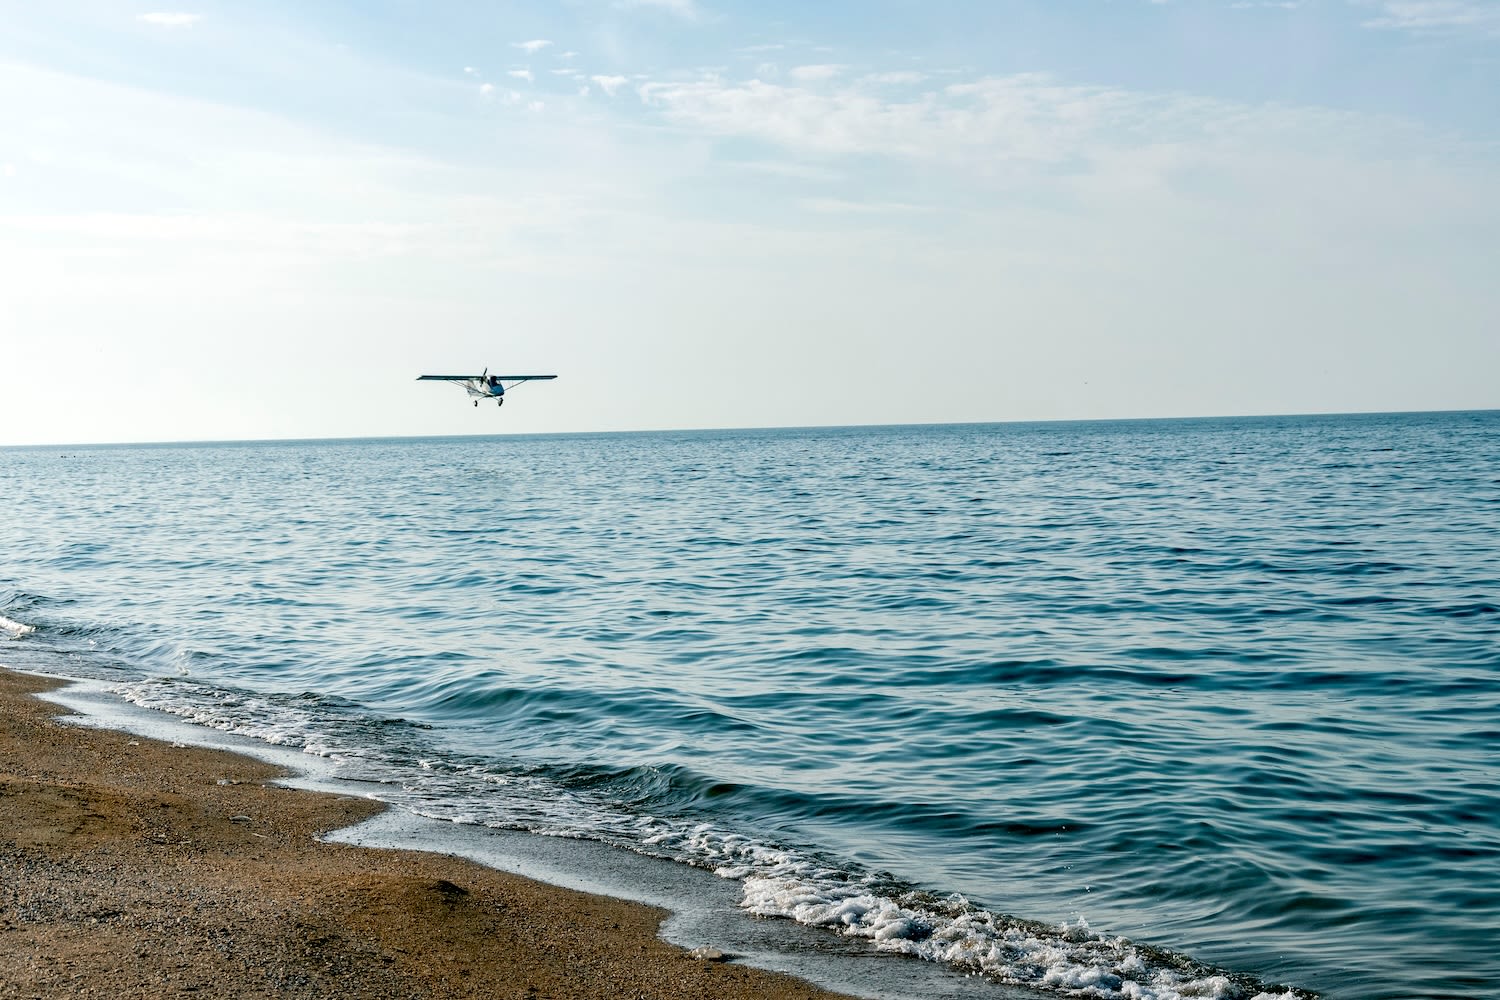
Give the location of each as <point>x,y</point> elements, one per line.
<point>707,954</point>
<point>239,819</point>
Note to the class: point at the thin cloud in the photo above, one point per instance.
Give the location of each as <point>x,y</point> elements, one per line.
<point>532,47</point>
<point>170,19</point>
<point>1022,117</point>
<point>1028,122</point>
<point>1446,16</point>
<point>810,74</point>
<point>522,74</point>
<point>610,84</point>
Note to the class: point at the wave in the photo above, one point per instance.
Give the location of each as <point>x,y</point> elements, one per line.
<point>12,629</point>
<point>776,880</point>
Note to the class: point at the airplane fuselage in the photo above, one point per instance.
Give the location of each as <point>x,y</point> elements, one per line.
<point>484,388</point>
<point>487,387</point>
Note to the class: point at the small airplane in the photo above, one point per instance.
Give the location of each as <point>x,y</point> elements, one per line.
<point>485,385</point>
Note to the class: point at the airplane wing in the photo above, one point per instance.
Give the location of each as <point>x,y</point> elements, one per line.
<point>503,378</point>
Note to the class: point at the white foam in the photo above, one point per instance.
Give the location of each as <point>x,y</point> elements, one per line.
<point>12,629</point>
<point>243,715</point>
<point>1068,959</point>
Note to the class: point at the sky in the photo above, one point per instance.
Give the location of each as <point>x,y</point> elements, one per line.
<point>232,221</point>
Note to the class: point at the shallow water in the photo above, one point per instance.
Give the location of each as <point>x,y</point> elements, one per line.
<point>1228,688</point>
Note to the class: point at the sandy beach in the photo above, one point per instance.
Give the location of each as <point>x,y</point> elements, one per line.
<point>134,868</point>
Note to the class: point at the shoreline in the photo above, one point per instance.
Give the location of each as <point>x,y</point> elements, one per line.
<point>138,868</point>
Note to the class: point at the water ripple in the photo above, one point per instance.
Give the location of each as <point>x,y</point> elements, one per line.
<point>1228,687</point>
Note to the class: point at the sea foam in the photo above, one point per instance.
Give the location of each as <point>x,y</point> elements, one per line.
<point>11,629</point>
<point>1070,959</point>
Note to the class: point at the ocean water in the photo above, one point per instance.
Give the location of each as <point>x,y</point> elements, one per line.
<point>1148,709</point>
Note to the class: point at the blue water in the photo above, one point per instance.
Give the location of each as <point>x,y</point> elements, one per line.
<point>1146,708</point>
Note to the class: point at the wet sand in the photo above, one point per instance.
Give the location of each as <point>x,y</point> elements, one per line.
<point>133,868</point>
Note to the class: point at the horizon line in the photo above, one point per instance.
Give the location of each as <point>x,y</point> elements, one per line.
<point>201,442</point>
